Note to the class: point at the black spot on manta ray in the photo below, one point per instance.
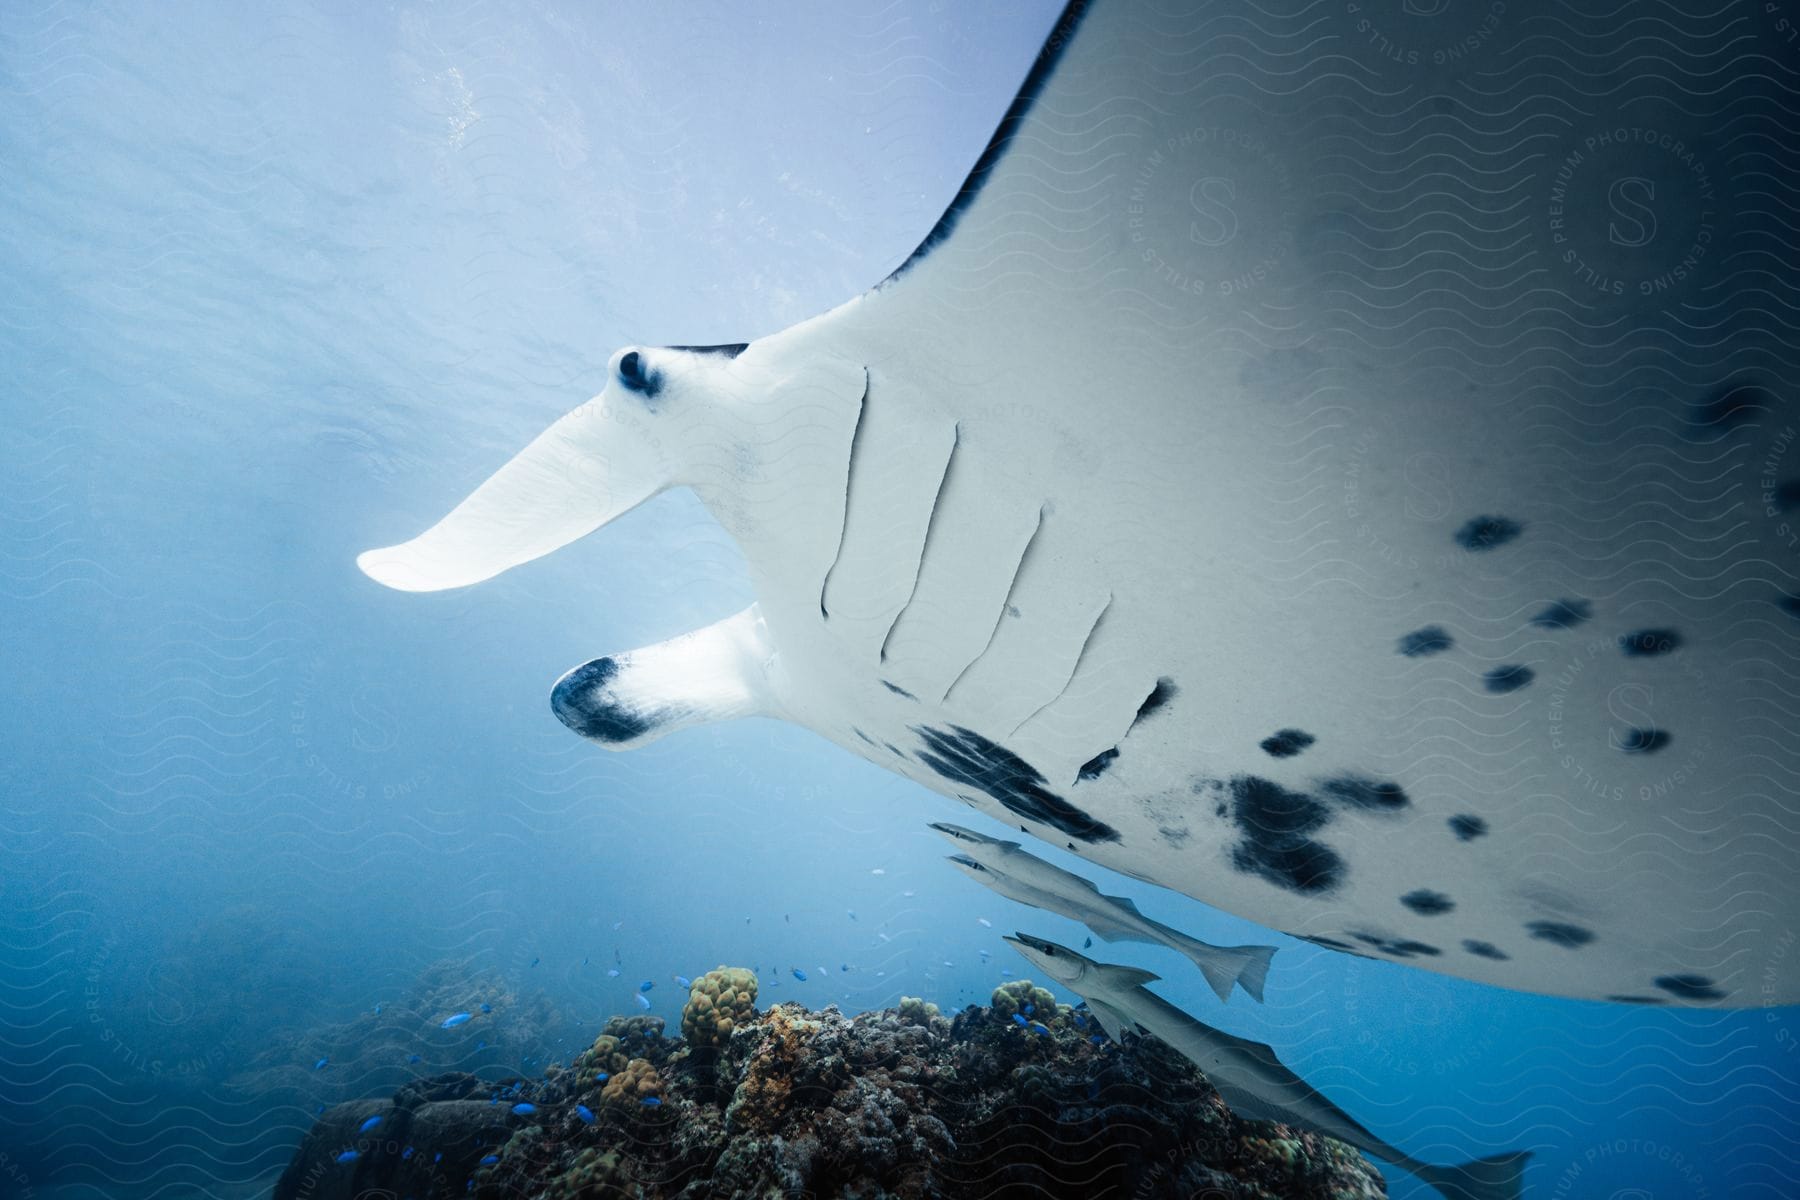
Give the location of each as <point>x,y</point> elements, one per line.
<point>1433,639</point>
<point>964,756</point>
<point>1276,845</point>
<point>1732,404</point>
<point>1649,643</point>
<point>1164,691</point>
<point>1790,604</point>
<point>859,733</point>
<point>727,349</point>
<point>1329,943</point>
<point>1643,741</point>
<point>1397,947</point>
<point>1096,766</point>
<point>1428,903</point>
<point>1467,827</point>
<point>1563,614</point>
<point>581,701</point>
<point>1688,987</point>
<point>1285,743</point>
<point>1787,495</point>
<point>1637,999</point>
<point>898,690</point>
<point>1354,791</point>
<point>1487,532</point>
<point>1486,950</point>
<point>1509,678</point>
<point>1560,933</point>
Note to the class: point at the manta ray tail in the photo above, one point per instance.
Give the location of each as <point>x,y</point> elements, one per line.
<point>1497,1178</point>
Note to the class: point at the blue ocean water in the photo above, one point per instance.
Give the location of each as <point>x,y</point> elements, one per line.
<point>280,286</point>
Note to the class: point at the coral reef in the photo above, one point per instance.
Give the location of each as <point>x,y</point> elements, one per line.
<point>895,1103</point>
<point>718,1002</point>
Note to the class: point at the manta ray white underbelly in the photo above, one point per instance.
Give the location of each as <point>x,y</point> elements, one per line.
<point>1305,497</point>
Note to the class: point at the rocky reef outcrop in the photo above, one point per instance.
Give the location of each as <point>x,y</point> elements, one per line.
<point>790,1102</point>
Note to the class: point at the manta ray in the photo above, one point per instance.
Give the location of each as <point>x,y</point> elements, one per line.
<point>1286,477</point>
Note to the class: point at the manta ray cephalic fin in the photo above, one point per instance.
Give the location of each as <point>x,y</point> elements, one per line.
<point>712,674</point>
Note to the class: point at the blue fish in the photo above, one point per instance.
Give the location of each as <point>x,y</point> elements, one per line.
<point>439,1158</point>
<point>320,1065</point>
<point>1096,1039</point>
<point>487,1008</point>
<point>612,972</point>
<point>1021,1022</point>
<point>349,1156</point>
<point>378,1008</point>
<point>585,1113</point>
<point>845,967</point>
<point>1040,1028</point>
<point>601,1076</point>
<point>524,1109</point>
<point>643,1001</point>
<point>799,974</point>
<point>683,981</point>
<point>651,1102</point>
<point>369,1124</point>
<point>852,913</point>
<point>412,1058</point>
<point>646,985</point>
<point>535,961</point>
<point>1027,1008</point>
<point>481,1045</point>
<point>406,1153</point>
<point>453,1021</point>
<point>488,1160</point>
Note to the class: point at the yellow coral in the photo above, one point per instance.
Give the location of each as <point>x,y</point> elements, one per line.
<point>1010,998</point>
<point>637,1082</point>
<point>915,1011</point>
<point>718,1002</point>
<point>591,1174</point>
<point>603,1057</point>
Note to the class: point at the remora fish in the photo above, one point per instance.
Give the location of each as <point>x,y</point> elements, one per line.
<point>1248,1074</point>
<point>1017,874</point>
